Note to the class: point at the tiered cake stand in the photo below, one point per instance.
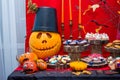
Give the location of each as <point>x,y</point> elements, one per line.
<point>115,52</point>
<point>74,50</point>
<point>96,45</point>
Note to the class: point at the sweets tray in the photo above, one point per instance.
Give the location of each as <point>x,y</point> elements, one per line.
<point>98,41</point>
<point>58,66</point>
<point>112,50</point>
<point>94,64</point>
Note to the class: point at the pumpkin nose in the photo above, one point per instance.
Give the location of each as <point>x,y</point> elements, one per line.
<point>25,66</point>
<point>44,41</point>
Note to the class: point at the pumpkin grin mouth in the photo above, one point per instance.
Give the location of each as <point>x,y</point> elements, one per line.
<point>45,48</point>
<point>28,70</point>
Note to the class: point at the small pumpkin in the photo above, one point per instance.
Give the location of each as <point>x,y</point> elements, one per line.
<point>26,56</point>
<point>30,67</point>
<point>78,65</point>
<point>42,65</point>
<point>45,44</point>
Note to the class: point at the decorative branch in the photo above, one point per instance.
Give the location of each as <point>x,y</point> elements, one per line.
<point>32,7</point>
<point>81,27</point>
<point>98,29</point>
<point>98,24</point>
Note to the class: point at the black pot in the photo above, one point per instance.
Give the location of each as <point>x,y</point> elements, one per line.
<point>45,20</point>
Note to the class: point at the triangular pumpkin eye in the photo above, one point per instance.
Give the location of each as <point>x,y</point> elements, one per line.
<point>49,35</point>
<point>39,35</point>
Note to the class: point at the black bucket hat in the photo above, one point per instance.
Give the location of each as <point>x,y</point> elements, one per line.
<point>45,20</point>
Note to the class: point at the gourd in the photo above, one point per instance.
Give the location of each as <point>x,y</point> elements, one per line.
<point>41,64</point>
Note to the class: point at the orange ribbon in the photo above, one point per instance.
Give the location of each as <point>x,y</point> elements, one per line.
<point>98,29</point>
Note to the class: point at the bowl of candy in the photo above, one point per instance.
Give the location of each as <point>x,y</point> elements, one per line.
<point>59,62</point>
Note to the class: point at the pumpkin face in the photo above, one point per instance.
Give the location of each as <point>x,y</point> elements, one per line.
<point>41,64</point>
<point>29,67</point>
<point>45,44</point>
<point>26,56</point>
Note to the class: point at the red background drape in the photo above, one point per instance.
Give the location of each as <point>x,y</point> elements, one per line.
<point>106,14</point>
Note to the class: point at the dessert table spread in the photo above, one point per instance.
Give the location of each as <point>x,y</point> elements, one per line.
<point>66,74</point>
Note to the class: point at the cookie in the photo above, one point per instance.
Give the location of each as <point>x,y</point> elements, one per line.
<point>109,45</point>
<point>116,41</point>
<point>86,72</point>
<point>117,46</point>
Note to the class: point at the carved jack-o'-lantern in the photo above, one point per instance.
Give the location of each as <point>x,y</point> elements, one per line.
<point>45,44</point>
<point>45,40</point>
<point>30,67</point>
<point>42,65</point>
<point>26,56</point>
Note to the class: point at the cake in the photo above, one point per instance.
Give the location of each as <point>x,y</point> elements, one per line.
<point>96,36</point>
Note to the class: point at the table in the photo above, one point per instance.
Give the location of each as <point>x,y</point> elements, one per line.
<point>61,75</point>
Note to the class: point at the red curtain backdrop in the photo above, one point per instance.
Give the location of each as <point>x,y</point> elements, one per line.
<point>106,14</point>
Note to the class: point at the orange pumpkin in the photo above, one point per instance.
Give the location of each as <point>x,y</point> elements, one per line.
<point>42,65</point>
<point>45,44</point>
<point>26,56</point>
<point>30,67</point>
